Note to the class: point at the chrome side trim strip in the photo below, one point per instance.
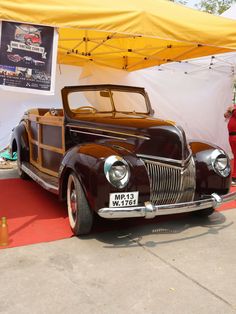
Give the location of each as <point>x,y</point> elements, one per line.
<point>98,134</point>
<point>39,180</point>
<point>108,131</point>
<point>148,210</point>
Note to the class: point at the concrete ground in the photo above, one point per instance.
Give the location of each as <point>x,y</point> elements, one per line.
<point>180,266</point>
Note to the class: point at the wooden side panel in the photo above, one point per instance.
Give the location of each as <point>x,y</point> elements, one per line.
<point>51,135</point>
<point>34,152</point>
<point>51,160</point>
<point>47,142</point>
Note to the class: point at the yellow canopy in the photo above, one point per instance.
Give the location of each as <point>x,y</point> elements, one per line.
<point>126,34</point>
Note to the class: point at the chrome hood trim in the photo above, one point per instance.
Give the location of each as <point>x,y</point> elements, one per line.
<point>78,127</point>
<point>181,163</point>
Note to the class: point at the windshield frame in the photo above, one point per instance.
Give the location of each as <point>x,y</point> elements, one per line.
<point>105,87</point>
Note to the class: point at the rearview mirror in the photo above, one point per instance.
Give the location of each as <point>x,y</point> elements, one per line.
<point>104,93</point>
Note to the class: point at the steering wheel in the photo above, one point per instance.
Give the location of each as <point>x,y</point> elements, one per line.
<point>53,112</point>
<point>90,108</point>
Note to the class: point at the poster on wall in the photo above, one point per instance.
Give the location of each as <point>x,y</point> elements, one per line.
<point>28,57</point>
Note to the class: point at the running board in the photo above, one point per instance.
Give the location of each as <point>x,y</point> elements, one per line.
<point>46,181</point>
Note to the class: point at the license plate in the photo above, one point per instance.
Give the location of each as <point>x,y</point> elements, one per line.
<point>125,199</point>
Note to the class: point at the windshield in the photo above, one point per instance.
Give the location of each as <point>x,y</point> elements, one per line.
<point>105,101</point>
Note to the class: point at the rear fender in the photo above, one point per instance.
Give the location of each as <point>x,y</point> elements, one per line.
<point>20,143</point>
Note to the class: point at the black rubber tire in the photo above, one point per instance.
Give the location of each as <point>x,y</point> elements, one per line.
<point>79,212</point>
<point>204,212</point>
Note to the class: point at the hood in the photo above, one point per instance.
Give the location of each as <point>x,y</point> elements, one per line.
<point>142,135</point>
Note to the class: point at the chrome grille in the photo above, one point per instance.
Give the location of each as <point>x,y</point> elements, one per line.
<point>170,184</point>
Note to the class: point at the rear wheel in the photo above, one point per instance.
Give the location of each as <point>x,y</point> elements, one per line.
<point>80,215</point>
<point>20,172</point>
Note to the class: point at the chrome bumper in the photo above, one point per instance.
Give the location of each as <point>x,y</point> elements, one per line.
<point>150,211</point>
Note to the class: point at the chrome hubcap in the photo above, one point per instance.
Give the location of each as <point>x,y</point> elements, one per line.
<point>73,202</point>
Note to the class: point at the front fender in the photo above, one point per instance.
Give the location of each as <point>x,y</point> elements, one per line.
<point>87,161</point>
<point>207,180</point>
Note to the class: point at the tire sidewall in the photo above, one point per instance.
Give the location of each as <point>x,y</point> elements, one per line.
<point>20,172</point>
<point>81,222</point>
<point>72,221</point>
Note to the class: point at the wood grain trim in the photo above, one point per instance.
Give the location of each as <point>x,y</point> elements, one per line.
<point>57,121</point>
<point>39,141</point>
<point>46,170</point>
<point>48,120</point>
<point>51,121</point>
<point>48,147</point>
<point>33,141</point>
<point>52,148</point>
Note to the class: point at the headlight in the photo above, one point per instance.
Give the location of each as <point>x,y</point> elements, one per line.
<point>117,171</point>
<point>220,162</point>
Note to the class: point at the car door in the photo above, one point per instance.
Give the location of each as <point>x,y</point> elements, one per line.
<point>47,141</point>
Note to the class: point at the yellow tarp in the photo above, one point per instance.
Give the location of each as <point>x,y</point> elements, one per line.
<point>126,34</point>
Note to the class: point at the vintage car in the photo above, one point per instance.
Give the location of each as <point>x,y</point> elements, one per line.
<point>28,38</point>
<point>105,153</point>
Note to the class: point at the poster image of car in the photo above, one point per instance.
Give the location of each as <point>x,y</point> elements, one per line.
<point>30,47</point>
<point>26,60</point>
<point>28,34</point>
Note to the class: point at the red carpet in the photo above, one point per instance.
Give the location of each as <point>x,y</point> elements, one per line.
<point>230,205</point>
<point>35,215</point>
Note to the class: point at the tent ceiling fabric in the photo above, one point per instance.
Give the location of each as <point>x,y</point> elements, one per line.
<point>126,34</point>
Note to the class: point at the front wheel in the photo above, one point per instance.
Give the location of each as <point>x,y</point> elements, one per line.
<point>80,215</point>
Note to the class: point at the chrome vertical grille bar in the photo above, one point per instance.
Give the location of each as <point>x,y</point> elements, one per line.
<point>170,184</point>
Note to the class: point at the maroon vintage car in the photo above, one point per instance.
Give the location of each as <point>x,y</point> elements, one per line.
<point>106,154</point>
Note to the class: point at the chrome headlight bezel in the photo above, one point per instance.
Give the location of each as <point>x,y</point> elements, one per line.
<point>117,171</point>
<point>220,163</point>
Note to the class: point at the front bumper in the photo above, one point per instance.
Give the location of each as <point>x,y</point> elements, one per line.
<point>150,211</point>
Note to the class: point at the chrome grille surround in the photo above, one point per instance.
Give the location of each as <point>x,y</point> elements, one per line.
<point>170,184</point>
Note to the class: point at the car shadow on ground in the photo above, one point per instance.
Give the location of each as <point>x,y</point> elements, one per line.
<point>130,233</point>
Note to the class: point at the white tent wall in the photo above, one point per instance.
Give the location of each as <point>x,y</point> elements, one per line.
<point>195,101</point>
